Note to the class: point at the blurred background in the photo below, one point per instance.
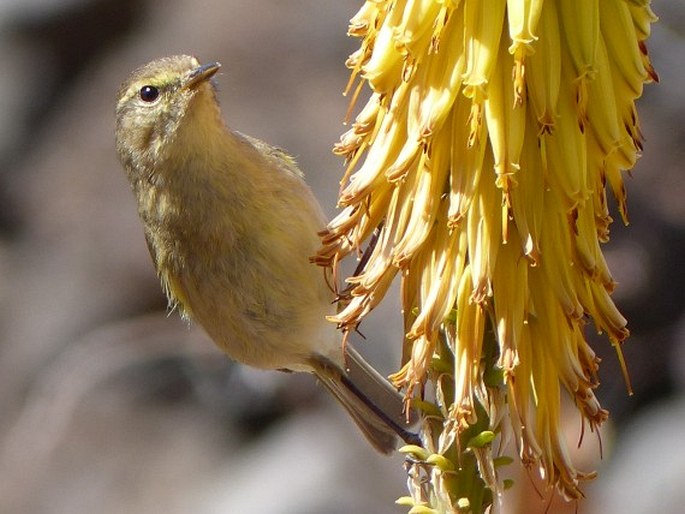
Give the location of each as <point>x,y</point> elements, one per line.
<point>109,405</point>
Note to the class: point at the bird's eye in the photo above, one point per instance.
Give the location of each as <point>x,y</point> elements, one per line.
<point>149,93</point>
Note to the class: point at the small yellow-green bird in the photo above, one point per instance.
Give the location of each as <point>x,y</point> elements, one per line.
<point>231,224</point>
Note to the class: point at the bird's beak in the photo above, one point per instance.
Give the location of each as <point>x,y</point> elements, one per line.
<point>201,74</point>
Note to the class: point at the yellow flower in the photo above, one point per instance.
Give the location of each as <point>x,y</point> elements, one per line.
<point>481,160</point>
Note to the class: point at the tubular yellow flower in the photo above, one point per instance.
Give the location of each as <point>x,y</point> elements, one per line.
<point>480,161</point>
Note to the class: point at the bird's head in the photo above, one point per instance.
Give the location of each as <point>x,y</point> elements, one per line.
<point>155,101</point>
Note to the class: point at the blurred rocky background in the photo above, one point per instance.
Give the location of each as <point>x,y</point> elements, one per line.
<point>109,405</point>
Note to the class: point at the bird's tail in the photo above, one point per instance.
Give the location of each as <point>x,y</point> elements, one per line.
<point>372,402</point>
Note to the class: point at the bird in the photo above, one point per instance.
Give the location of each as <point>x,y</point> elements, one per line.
<point>231,224</point>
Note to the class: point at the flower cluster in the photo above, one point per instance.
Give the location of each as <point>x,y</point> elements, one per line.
<point>478,171</point>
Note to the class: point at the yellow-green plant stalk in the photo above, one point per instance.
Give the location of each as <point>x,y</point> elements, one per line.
<point>480,165</point>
